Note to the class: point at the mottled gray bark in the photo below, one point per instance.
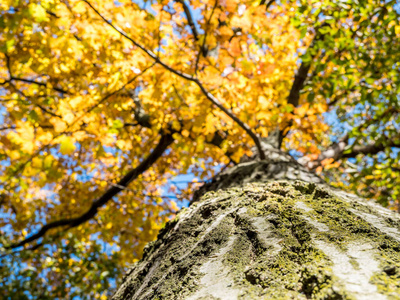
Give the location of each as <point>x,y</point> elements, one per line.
<point>271,230</point>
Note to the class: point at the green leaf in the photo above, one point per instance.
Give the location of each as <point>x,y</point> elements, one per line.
<point>117,124</point>
<point>33,116</point>
<point>370,80</point>
<point>303,32</point>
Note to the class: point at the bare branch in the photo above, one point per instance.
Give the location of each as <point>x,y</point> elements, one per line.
<point>298,84</point>
<point>130,124</point>
<point>338,151</point>
<point>165,141</point>
<point>189,19</point>
<point>7,127</point>
<point>44,84</point>
<point>270,2</point>
<point>371,149</point>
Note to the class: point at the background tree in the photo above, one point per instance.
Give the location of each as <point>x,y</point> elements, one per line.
<point>104,102</point>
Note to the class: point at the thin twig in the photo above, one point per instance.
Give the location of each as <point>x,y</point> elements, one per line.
<point>189,19</point>
<point>7,127</point>
<point>203,48</point>
<point>45,110</point>
<point>120,89</point>
<point>270,2</point>
<point>44,84</point>
<point>13,78</point>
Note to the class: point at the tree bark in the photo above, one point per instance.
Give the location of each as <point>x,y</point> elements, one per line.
<point>271,230</point>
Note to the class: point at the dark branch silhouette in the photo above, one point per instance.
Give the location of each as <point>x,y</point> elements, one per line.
<point>44,84</point>
<point>189,18</point>
<point>165,140</point>
<point>270,2</point>
<point>299,81</point>
<point>339,150</point>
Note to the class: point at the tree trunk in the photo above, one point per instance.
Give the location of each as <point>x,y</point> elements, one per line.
<point>271,230</point>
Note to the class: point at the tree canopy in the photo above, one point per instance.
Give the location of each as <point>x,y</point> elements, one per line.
<point>103,103</point>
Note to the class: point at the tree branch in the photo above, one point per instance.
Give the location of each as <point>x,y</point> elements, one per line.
<point>208,95</point>
<point>7,127</point>
<point>338,151</point>
<point>45,110</point>
<point>203,48</point>
<point>335,151</point>
<point>13,78</point>
<point>119,90</point>
<point>270,2</point>
<point>298,84</point>
<point>22,166</point>
<point>165,140</point>
<point>370,149</point>
<point>246,127</point>
<point>294,96</point>
<point>38,83</point>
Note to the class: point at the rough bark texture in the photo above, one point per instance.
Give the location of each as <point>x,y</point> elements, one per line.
<point>271,230</point>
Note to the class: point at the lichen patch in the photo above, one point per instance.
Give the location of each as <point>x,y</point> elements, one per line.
<point>318,225</point>
<point>379,223</point>
<point>217,282</point>
<point>355,280</point>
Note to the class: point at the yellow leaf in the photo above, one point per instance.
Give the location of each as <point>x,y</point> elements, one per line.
<point>14,154</point>
<point>397,29</point>
<point>121,144</point>
<point>176,125</point>
<point>38,12</point>
<point>312,118</point>
<point>185,133</point>
<point>263,115</point>
<point>264,102</point>
<point>58,124</point>
<point>114,81</point>
<point>67,146</point>
<point>37,162</point>
<point>174,206</point>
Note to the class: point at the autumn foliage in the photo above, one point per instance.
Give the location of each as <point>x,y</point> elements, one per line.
<point>104,102</point>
